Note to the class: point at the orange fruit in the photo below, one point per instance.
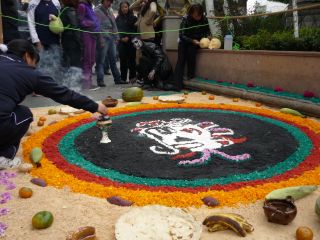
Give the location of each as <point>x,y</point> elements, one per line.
<point>211,97</point>
<point>25,192</point>
<point>40,123</point>
<point>42,220</point>
<point>42,119</point>
<point>304,233</point>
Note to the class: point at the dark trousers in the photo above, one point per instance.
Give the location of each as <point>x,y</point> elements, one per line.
<point>72,52</point>
<point>186,54</point>
<point>12,129</point>
<point>127,55</point>
<point>144,67</point>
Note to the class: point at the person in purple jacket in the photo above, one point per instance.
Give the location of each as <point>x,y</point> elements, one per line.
<point>88,22</point>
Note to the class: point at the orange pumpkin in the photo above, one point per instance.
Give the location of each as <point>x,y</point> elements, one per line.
<point>211,97</point>
<point>40,123</point>
<point>42,119</point>
<point>25,192</point>
<point>304,233</point>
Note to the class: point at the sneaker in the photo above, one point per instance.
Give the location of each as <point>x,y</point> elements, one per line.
<point>94,88</point>
<point>101,84</point>
<point>6,163</point>
<point>140,82</point>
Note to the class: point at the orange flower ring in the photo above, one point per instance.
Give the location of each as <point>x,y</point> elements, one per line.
<point>176,154</point>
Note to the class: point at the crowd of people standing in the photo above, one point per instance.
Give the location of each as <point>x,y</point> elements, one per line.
<point>94,36</point>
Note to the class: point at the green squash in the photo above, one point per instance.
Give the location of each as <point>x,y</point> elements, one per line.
<point>42,220</point>
<point>133,94</point>
<point>36,156</point>
<point>56,25</point>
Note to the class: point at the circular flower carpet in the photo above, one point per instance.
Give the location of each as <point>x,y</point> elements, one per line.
<point>176,154</point>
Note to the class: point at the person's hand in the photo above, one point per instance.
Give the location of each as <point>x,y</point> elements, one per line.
<point>52,17</point>
<point>195,42</point>
<point>151,75</point>
<point>102,109</point>
<point>125,39</point>
<point>39,46</point>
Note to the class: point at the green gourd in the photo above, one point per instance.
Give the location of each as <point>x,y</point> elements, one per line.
<point>36,156</point>
<point>133,94</point>
<point>56,25</point>
<point>295,192</point>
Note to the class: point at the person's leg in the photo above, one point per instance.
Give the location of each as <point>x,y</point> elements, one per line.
<point>12,130</point>
<point>106,66</point>
<point>191,60</point>
<point>143,69</point>
<point>132,63</point>
<point>87,61</point>
<point>123,55</point>
<point>112,56</point>
<point>179,69</point>
<point>100,58</point>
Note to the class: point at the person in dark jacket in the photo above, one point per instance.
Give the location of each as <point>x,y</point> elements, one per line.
<point>39,12</point>
<point>18,79</point>
<point>153,65</point>
<point>70,39</point>
<point>194,26</point>
<point>10,26</point>
<point>127,53</point>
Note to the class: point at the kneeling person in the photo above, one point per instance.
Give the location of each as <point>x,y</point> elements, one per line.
<point>18,79</point>
<point>153,65</point>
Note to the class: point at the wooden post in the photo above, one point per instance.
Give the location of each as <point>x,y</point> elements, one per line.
<point>1,27</point>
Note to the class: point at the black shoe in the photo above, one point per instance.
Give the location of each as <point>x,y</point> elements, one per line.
<point>121,82</point>
<point>107,73</point>
<point>146,87</point>
<point>101,84</point>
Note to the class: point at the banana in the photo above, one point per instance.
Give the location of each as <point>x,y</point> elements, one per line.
<point>295,192</point>
<point>224,221</point>
<point>291,111</point>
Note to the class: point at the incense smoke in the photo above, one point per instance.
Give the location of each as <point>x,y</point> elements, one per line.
<point>50,64</point>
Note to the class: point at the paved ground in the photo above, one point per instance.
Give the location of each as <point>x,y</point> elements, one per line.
<point>111,89</point>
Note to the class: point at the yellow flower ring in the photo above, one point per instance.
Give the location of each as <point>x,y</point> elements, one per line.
<point>58,172</point>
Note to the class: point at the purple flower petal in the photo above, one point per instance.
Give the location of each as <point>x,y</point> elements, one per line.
<point>4,211</point>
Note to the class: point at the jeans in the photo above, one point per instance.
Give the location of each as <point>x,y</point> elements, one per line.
<point>108,50</point>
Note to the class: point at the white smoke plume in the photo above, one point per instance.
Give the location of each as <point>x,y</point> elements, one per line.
<point>50,64</point>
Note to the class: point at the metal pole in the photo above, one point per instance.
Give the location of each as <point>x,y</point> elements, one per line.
<point>1,27</point>
<point>295,19</point>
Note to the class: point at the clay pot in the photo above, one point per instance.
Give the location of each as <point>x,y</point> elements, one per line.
<point>110,102</point>
<point>281,211</point>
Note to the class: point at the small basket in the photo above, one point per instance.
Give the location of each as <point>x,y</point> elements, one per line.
<point>110,102</point>
<point>280,211</point>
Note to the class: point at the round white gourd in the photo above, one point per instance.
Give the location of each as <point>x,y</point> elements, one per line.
<point>215,43</point>
<point>204,43</point>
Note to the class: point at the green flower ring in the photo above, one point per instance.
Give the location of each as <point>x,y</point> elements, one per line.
<point>60,149</point>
